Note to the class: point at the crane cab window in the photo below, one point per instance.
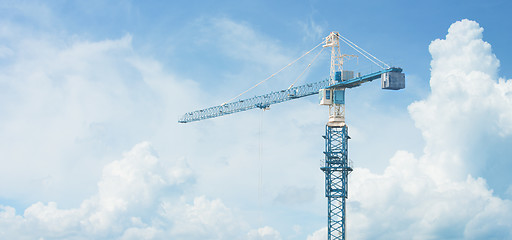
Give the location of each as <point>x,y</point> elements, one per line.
<point>325,96</point>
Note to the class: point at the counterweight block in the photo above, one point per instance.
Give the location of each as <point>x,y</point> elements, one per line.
<point>393,80</point>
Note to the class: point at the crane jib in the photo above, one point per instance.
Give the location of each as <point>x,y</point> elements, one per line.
<point>264,101</point>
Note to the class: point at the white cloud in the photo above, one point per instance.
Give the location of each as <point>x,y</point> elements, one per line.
<point>240,41</point>
<point>140,233</point>
<point>320,234</point>
<point>312,30</point>
<point>467,102</point>
<point>466,121</point>
<point>134,201</point>
<point>264,233</point>
<point>422,203</point>
<point>202,219</point>
<point>76,104</point>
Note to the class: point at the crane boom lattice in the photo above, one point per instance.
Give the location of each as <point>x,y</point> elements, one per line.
<point>263,102</point>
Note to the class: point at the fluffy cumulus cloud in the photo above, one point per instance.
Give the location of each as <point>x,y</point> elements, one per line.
<point>133,202</point>
<point>440,195</point>
<point>468,101</point>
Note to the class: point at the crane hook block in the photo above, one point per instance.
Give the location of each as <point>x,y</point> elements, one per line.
<point>393,80</point>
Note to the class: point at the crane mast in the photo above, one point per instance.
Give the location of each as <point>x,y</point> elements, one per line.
<point>335,164</point>
<point>336,110</point>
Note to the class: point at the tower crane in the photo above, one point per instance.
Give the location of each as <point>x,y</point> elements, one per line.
<point>335,165</point>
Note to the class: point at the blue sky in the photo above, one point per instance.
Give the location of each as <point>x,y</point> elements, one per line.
<point>90,95</point>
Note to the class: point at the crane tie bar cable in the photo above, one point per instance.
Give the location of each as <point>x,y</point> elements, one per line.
<point>356,47</point>
<point>362,53</point>
<point>273,74</point>
<point>309,65</point>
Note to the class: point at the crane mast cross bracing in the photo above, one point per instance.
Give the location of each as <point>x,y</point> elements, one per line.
<point>336,164</point>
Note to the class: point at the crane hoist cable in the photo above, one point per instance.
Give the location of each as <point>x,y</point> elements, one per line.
<point>260,173</point>
<point>273,74</point>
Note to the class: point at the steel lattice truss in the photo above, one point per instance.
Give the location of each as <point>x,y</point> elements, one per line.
<point>336,168</point>
<point>262,101</point>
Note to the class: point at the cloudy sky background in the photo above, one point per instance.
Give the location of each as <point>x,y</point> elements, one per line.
<point>90,147</point>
